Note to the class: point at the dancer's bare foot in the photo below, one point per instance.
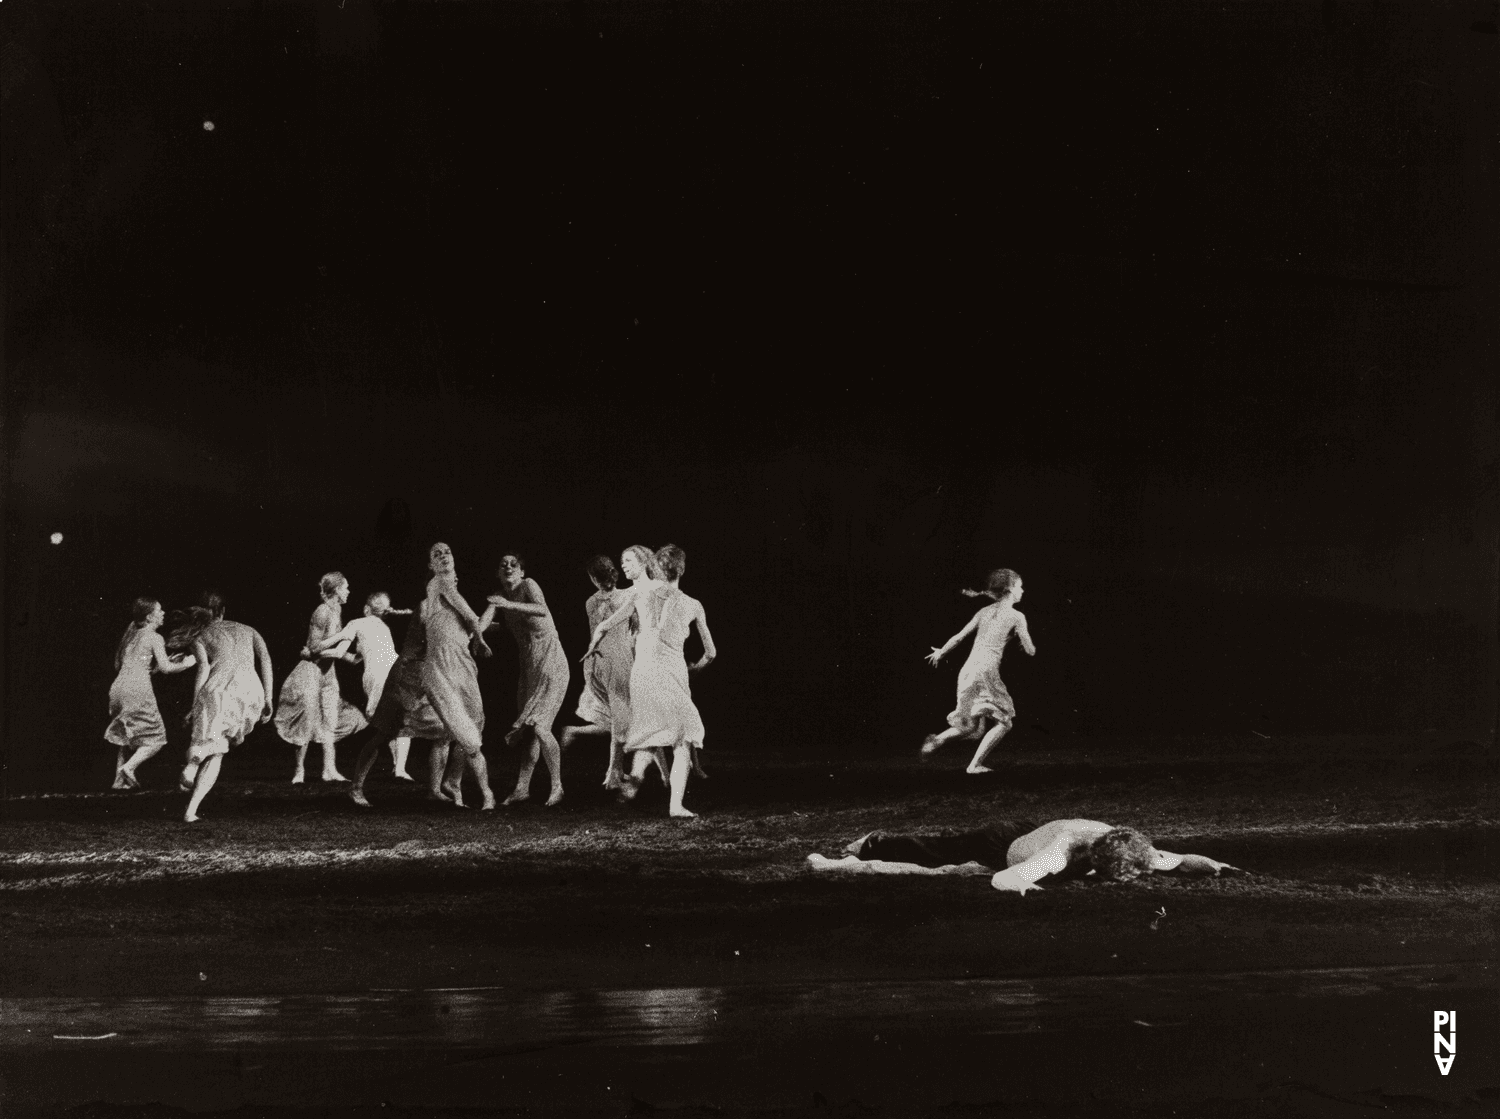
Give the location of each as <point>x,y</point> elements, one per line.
<point>629,787</point>
<point>299,778</point>
<point>120,783</point>
<point>979,769</point>
<point>929,744</point>
<point>516,797</point>
<point>858,845</point>
<point>454,793</point>
<point>489,803</point>
<point>357,795</point>
<point>405,777</point>
<point>434,794</point>
<point>190,818</point>
<point>554,798</point>
<point>332,775</point>
<point>682,814</point>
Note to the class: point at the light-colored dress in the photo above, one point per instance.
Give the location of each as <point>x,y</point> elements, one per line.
<point>311,709</point>
<point>543,683</point>
<point>449,675</point>
<point>134,719</point>
<point>231,700</point>
<point>404,711</point>
<point>372,638</point>
<point>662,714</point>
<point>981,692</point>
<point>605,701</point>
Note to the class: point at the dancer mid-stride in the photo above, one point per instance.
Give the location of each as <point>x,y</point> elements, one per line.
<point>984,709</point>
<point>371,640</point>
<point>134,720</point>
<point>231,693</point>
<point>311,709</point>
<point>543,683</point>
<point>663,716</point>
<point>449,676</point>
<point>604,705</point>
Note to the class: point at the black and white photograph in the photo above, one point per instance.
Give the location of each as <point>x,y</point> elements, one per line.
<point>750,559</point>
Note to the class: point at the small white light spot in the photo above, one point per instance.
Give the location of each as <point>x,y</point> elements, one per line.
<point>208,126</point>
<point>56,538</point>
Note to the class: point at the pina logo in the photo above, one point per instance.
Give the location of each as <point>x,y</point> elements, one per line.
<point>1441,1018</point>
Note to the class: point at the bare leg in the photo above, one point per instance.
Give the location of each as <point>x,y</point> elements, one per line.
<point>299,775</point>
<point>528,766</point>
<point>453,775</point>
<point>437,761</point>
<point>552,755</point>
<point>616,771</point>
<point>682,764</point>
<point>481,770</point>
<point>986,744</point>
<point>127,771</point>
<point>698,770</point>
<point>399,749</point>
<point>120,782</point>
<point>631,783</point>
<point>330,767</point>
<point>208,773</point>
<point>362,766</point>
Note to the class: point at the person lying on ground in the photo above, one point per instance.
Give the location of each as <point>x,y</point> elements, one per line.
<point>1023,852</point>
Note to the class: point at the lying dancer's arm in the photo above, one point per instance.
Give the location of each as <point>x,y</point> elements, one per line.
<point>1192,864</point>
<point>165,664</point>
<point>709,652</point>
<point>937,654</point>
<point>1051,859</point>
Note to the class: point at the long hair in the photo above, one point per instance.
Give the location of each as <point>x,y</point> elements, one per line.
<point>184,626</point>
<point>1000,583</point>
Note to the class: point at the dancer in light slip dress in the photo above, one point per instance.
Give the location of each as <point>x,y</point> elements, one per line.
<point>404,711</point>
<point>543,683</point>
<point>449,676</point>
<point>984,709</point>
<point>662,714</point>
<point>231,694</point>
<point>368,640</point>
<point>604,705</point>
<point>311,709</point>
<point>135,722</point>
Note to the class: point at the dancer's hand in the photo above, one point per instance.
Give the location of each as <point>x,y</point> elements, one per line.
<point>933,657</point>
<point>304,653</point>
<point>481,648</point>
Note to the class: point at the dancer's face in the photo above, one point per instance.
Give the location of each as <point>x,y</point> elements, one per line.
<point>156,617</point>
<point>631,566</point>
<point>511,573</point>
<point>341,593</point>
<point>1015,591</point>
<point>440,559</point>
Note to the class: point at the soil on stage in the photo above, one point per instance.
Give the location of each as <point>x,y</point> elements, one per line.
<point>1364,852</point>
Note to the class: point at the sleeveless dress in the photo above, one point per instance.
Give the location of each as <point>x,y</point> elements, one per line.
<point>543,684</point>
<point>662,714</point>
<point>403,710</point>
<point>605,701</point>
<point>379,653</point>
<point>981,692</point>
<point>311,709</point>
<point>134,719</point>
<point>230,702</point>
<point>449,676</point>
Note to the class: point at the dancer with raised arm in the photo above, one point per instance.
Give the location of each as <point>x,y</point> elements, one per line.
<point>231,693</point>
<point>604,705</point>
<point>984,709</point>
<point>663,717</point>
<point>135,724</point>
<point>543,683</point>
<point>449,675</point>
<point>311,709</point>
<point>368,640</point>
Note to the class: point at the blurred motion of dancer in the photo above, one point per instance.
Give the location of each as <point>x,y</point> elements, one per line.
<point>604,705</point>
<point>231,693</point>
<point>984,709</point>
<point>543,683</point>
<point>311,709</point>
<point>455,634</point>
<point>662,714</point>
<point>368,638</point>
<point>135,722</point>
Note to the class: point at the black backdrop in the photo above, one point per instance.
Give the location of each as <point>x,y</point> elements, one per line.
<point>1183,310</point>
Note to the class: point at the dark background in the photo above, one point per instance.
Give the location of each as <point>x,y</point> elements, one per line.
<point>1183,310</point>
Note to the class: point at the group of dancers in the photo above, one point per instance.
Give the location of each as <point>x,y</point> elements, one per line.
<point>636,691</point>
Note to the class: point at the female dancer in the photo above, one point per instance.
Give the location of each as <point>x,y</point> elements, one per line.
<point>135,720</point>
<point>982,696</point>
<point>544,675</point>
<point>604,705</point>
<point>662,714</point>
<point>371,639</point>
<point>311,708</point>
<point>449,675</point>
<point>229,697</point>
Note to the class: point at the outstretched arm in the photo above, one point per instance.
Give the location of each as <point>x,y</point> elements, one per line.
<point>534,603</point>
<point>1051,859</point>
<point>1024,635</point>
<point>937,654</point>
<point>613,620</point>
<point>165,664</point>
<point>709,652</point>
<point>1194,865</point>
<point>263,663</point>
